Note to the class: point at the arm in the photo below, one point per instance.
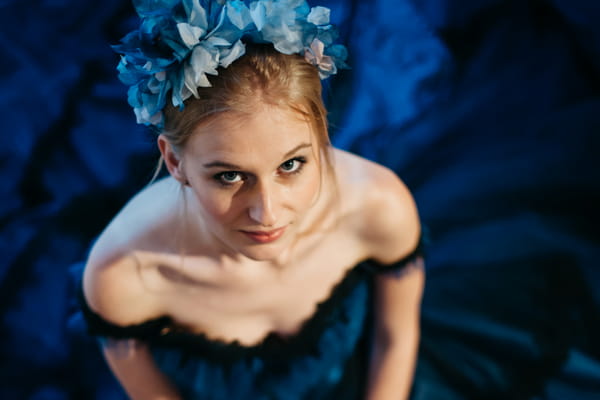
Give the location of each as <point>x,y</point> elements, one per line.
<point>132,364</point>
<point>392,233</point>
<point>397,305</point>
<point>114,291</point>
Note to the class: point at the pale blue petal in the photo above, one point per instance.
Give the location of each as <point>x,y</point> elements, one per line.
<point>154,85</point>
<point>139,117</point>
<point>238,14</point>
<point>327,34</point>
<point>227,31</point>
<point>196,14</point>
<point>202,81</point>
<point>283,14</point>
<point>150,102</point>
<point>133,97</point>
<point>319,15</point>
<point>230,55</point>
<point>215,41</point>
<point>180,42</point>
<point>297,5</point>
<point>156,119</point>
<point>189,77</point>
<point>185,94</point>
<point>284,39</point>
<point>162,95</point>
<point>190,34</point>
<point>178,80</point>
<point>221,20</point>
<point>258,13</point>
<point>302,9</point>
<point>149,111</point>
<point>143,117</point>
<point>204,61</point>
<point>288,46</point>
<point>128,73</point>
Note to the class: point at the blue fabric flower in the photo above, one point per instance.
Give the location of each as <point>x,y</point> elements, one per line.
<point>181,42</point>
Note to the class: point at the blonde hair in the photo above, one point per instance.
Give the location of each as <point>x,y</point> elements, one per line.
<point>262,76</point>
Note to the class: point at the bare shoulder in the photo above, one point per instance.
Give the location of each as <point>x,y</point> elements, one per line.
<point>116,291</point>
<point>390,227</point>
<point>141,222</point>
<point>113,282</point>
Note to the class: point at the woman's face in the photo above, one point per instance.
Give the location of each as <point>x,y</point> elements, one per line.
<point>254,178</point>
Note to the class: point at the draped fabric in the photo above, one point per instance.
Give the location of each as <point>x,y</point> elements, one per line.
<point>326,359</point>
<point>488,110</point>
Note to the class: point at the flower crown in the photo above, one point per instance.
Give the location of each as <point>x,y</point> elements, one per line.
<point>180,42</point>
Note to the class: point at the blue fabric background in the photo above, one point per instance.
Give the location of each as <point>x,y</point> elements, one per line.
<point>489,110</point>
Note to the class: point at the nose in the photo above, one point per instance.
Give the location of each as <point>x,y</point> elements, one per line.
<point>263,204</point>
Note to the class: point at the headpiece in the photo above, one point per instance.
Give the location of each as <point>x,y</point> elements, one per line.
<point>179,42</point>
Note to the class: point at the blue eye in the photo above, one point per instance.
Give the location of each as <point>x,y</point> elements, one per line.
<point>228,177</point>
<point>293,166</point>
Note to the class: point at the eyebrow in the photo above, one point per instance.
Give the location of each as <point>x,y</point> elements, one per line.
<point>223,164</point>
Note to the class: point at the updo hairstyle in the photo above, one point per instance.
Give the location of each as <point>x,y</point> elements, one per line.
<point>262,76</point>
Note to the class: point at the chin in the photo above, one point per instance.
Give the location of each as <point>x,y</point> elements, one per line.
<point>262,252</point>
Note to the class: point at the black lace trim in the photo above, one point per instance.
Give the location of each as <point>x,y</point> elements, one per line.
<point>163,332</point>
<point>398,266</point>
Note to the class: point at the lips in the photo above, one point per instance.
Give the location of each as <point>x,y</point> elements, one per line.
<point>265,236</point>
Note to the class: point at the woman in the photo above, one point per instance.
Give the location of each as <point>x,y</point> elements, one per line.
<point>251,271</point>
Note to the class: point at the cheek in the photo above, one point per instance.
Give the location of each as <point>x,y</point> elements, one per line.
<point>217,205</point>
<point>308,189</point>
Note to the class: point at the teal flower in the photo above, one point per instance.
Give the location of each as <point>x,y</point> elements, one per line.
<point>181,42</point>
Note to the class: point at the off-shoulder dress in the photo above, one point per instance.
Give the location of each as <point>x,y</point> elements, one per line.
<point>326,359</point>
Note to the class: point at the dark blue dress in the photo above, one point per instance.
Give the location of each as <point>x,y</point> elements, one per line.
<point>326,359</point>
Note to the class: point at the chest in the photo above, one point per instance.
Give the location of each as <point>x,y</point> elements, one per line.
<point>248,305</point>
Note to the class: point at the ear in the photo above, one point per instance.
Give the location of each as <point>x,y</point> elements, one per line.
<point>172,159</point>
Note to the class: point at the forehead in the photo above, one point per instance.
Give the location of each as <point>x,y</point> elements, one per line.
<point>269,134</point>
